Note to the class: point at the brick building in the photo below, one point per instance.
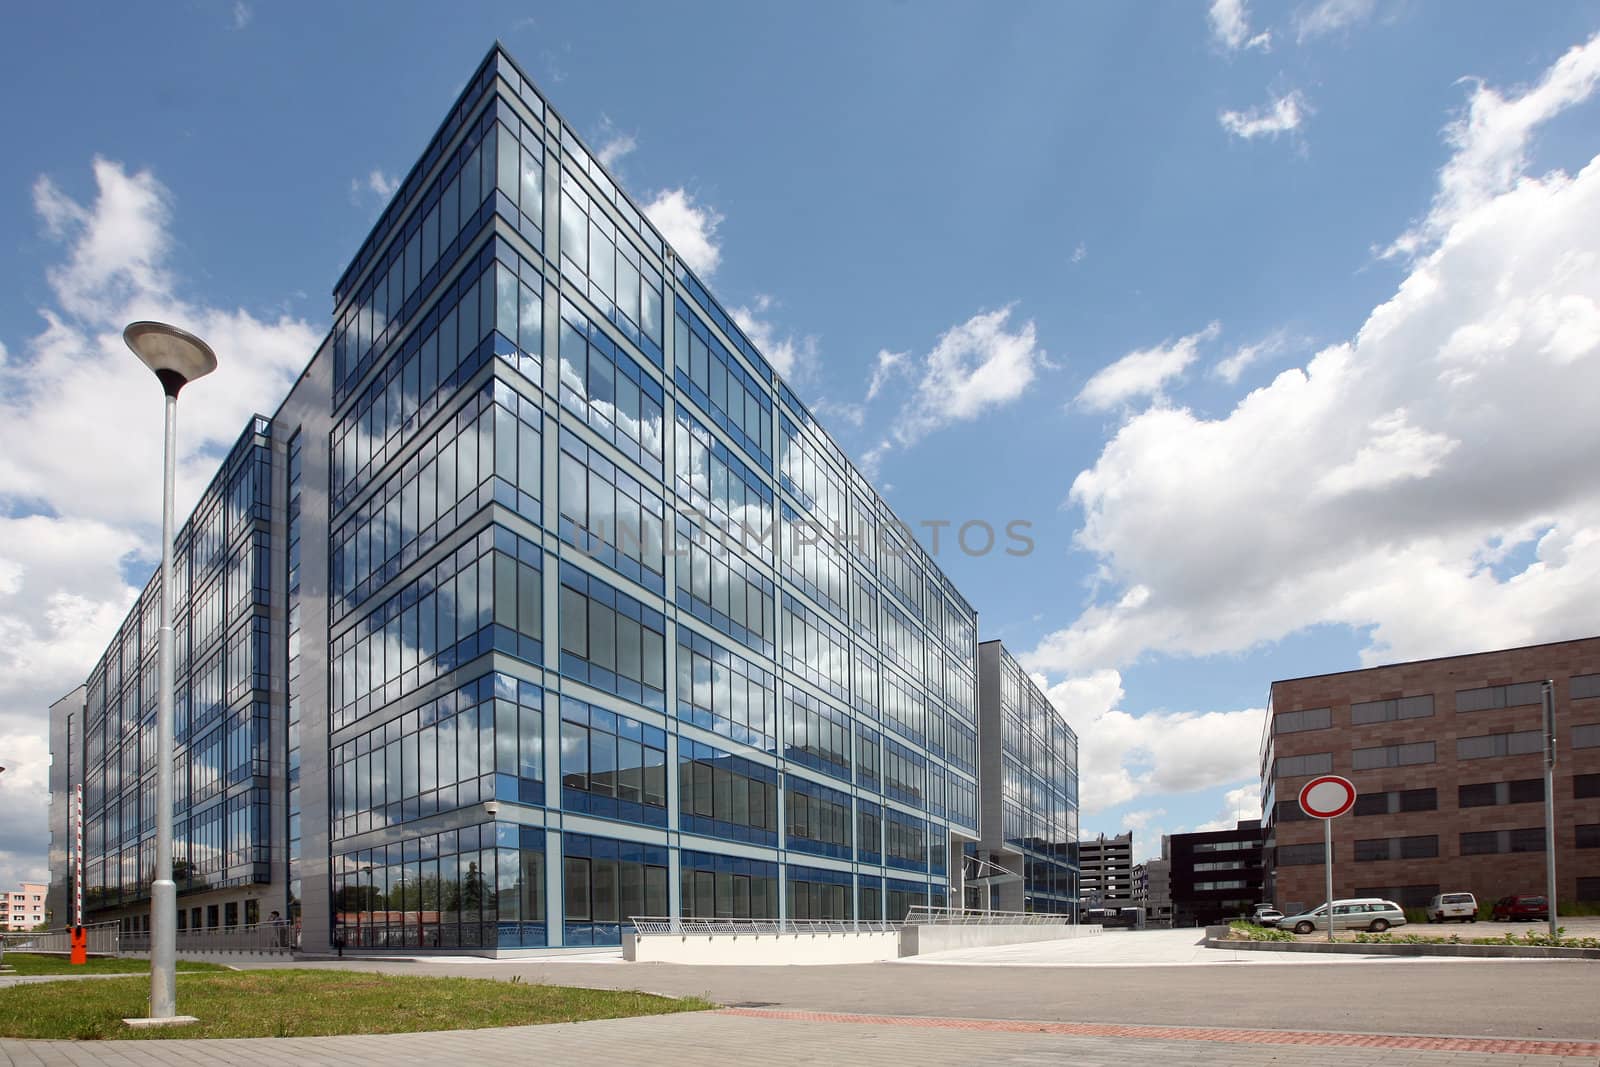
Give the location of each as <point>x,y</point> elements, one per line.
<point>1447,759</point>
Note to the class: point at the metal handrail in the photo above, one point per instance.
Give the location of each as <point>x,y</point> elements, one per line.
<point>927,915</point>
<point>918,915</point>
<point>101,939</point>
<point>648,926</point>
<point>267,937</point>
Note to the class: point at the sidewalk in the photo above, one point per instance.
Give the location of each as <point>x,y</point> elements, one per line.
<point>767,1037</point>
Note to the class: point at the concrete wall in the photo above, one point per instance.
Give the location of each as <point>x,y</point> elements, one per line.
<point>864,947</point>
<point>921,940</point>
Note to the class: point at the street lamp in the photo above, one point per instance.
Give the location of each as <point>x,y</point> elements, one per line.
<point>177,358</point>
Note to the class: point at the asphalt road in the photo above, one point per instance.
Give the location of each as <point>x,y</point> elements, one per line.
<point>1468,997</point>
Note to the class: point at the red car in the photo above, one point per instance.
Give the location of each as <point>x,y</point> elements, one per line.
<point>1511,909</point>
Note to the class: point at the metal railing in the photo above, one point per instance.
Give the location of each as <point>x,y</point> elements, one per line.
<point>657,926</point>
<point>264,938</point>
<point>925,915</point>
<point>102,940</point>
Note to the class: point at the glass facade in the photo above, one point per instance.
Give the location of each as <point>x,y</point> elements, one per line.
<point>225,699</point>
<point>1030,766</point>
<point>613,627</point>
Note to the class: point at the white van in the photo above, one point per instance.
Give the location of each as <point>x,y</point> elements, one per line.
<point>1447,906</point>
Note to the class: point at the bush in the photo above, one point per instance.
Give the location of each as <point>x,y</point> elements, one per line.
<point>1245,930</point>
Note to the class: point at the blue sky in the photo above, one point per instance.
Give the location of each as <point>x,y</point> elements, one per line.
<point>1273,320</point>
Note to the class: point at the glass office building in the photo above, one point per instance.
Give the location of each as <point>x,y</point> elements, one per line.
<point>1028,849</point>
<point>543,603</point>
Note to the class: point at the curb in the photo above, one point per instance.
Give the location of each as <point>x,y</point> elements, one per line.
<point>1444,949</point>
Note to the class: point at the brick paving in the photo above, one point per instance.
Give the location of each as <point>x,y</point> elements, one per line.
<point>1509,1046</point>
<point>815,1038</point>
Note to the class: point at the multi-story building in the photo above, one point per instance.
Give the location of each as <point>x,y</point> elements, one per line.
<point>541,602</point>
<point>1447,757</point>
<point>1105,885</point>
<point>1152,888</point>
<point>1029,791</point>
<point>24,907</point>
<point>1216,874</point>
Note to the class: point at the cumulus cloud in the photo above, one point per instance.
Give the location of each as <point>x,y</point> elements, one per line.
<point>793,357</point>
<point>1122,757</point>
<point>1373,487</point>
<point>1238,804</point>
<point>689,227</point>
<point>975,367</point>
<point>1230,27</point>
<point>1282,114</point>
<point>1490,141</point>
<point>80,456</point>
<point>1143,373</point>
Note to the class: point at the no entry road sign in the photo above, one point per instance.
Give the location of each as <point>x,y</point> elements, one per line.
<point>1327,797</point>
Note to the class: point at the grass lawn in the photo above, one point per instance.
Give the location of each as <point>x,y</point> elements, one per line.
<point>309,1003</point>
<point>28,963</point>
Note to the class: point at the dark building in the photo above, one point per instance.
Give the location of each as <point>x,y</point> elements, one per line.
<point>1216,875</point>
<point>1447,757</point>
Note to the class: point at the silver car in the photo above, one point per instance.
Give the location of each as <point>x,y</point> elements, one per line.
<point>1365,913</point>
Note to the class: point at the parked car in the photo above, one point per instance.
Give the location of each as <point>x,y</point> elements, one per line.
<point>1447,906</point>
<point>1267,917</point>
<point>1528,908</point>
<point>1365,913</point>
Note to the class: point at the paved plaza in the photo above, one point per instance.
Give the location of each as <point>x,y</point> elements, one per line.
<point>670,1039</point>
<point>1149,997</point>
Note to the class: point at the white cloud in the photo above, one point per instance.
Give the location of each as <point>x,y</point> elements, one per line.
<point>1239,804</point>
<point>1372,488</point>
<point>1080,253</point>
<point>1331,16</point>
<point>1230,27</point>
<point>872,460</point>
<point>1143,372</point>
<point>1245,356</point>
<point>80,455</point>
<point>1491,142</point>
<point>1283,114</point>
<point>380,185</point>
<point>840,410</point>
<point>887,365</point>
<point>690,227</point>
<point>614,143</point>
<point>1122,757</point>
<point>242,14</point>
<point>974,367</point>
<point>794,358</point>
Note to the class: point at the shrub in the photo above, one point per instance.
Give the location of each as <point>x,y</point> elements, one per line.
<point>1245,930</point>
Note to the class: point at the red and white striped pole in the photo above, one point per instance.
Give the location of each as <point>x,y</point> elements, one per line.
<point>77,852</point>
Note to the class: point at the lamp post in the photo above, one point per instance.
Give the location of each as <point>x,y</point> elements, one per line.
<point>177,358</point>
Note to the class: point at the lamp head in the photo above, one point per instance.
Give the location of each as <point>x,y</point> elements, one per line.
<point>176,356</point>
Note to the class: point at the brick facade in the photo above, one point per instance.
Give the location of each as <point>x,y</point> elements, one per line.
<point>1517,776</point>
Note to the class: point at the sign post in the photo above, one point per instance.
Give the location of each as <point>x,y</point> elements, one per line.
<point>1548,695</point>
<point>1327,797</point>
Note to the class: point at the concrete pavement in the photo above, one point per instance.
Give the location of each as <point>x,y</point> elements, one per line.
<point>1498,998</point>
